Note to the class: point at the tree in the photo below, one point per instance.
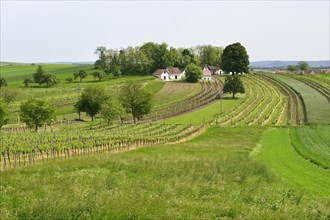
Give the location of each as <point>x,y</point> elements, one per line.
<point>3,82</point>
<point>81,74</point>
<point>38,76</point>
<point>98,74</point>
<point>303,65</point>
<point>91,100</point>
<point>112,109</point>
<point>291,68</point>
<point>135,99</point>
<point>27,82</point>
<point>36,113</point>
<point>101,63</point>
<point>210,55</point>
<point>193,73</point>
<point>49,79</point>
<point>235,59</point>
<point>3,114</point>
<point>233,84</point>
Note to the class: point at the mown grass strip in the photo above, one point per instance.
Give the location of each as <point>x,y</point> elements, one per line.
<point>276,152</point>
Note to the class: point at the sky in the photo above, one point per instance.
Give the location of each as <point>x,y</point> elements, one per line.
<point>70,31</point>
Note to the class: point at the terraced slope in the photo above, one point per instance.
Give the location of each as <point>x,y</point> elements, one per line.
<point>176,98</point>
<point>266,102</point>
<point>317,106</point>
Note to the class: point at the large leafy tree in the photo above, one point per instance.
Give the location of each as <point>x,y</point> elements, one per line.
<point>3,82</point>
<point>303,65</point>
<point>91,100</point>
<point>3,114</point>
<point>135,99</point>
<point>112,109</point>
<point>81,74</point>
<point>193,73</point>
<point>36,113</point>
<point>235,59</point>
<point>233,84</point>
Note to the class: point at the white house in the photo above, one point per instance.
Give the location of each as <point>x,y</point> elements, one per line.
<point>170,73</point>
<point>207,75</point>
<point>214,70</point>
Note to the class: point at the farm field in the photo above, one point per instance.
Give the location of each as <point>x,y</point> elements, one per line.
<point>163,181</point>
<point>317,106</point>
<point>187,159</point>
<point>15,74</point>
<point>312,143</point>
<point>277,152</point>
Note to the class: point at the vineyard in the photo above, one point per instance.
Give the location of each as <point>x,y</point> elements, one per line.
<point>267,102</point>
<point>185,98</point>
<point>80,139</point>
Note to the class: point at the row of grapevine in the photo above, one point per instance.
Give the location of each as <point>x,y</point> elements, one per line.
<point>209,91</point>
<point>25,147</point>
<point>296,112</point>
<point>256,107</point>
<point>266,102</point>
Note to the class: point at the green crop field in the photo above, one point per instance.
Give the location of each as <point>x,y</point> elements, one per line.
<point>263,155</point>
<point>312,143</point>
<point>16,74</point>
<point>317,106</point>
<point>277,152</point>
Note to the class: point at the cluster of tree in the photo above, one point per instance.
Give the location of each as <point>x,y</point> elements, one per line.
<point>302,66</point>
<point>34,112</point>
<point>133,99</point>
<point>151,56</point>
<point>41,77</point>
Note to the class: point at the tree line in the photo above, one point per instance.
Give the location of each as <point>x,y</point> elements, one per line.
<point>302,66</point>
<point>151,56</point>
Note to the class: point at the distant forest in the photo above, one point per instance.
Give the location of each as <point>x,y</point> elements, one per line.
<point>151,56</point>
